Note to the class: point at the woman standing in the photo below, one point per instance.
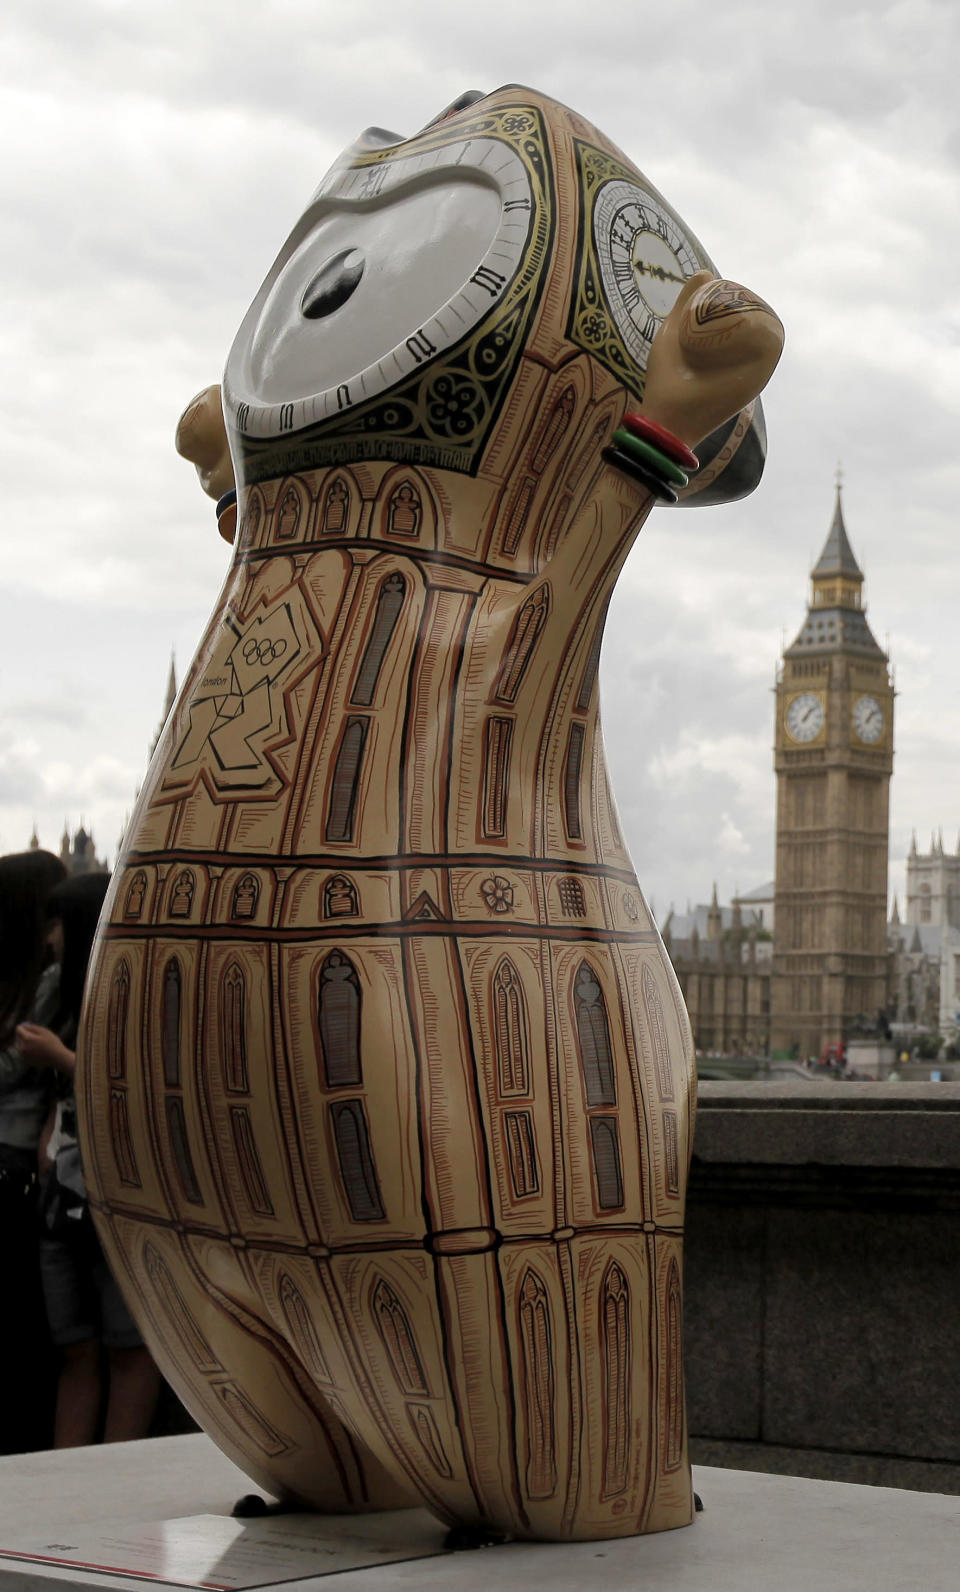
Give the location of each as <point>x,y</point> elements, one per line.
<point>26,879</point>
<point>88,1319</point>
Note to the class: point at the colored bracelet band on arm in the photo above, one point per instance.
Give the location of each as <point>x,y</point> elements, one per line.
<point>227,515</point>
<point>650,457</point>
<point>660,438</point>
<point>630,465</point>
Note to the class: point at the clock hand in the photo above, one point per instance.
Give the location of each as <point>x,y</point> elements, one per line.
<point>659,272</point>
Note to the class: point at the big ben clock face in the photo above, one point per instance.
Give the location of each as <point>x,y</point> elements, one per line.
<point>634,254</point>
<point>645,256</point>
<point>804,717</point>
<point>390,265</point>
<point>868,719</point>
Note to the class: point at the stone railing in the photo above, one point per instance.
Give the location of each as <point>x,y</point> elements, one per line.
<point>823,1281</point>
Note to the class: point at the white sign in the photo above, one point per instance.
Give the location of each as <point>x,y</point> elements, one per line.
<point>220,1553</point>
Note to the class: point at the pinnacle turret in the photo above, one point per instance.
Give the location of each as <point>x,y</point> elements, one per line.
<point>837,556</point>
<point>168,702</point>
<point>836,620</point>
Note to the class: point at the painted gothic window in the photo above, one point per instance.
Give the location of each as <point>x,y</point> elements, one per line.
<point>248,1162</point>
<point>346,779</point>
<point>521,1153</point>
<point>254,515</point>
<point>233,1036</point>
<point>120,1139</point>
<point>615,1333</point>
<point>388,609</point>
<point>393,1325</point>
<point>300,1322</point>
<point>405,512</point>
<point>593,1035</point>
<point>339,1021</point>
<point>510,1030</point>
<point>605,1141</point>
<point>170,1023</point>
<point>673,1444</point>
<point>657,1029</point>
<point>340,898</point>
<point>590,671</point>
<point>539,1386</point>
<point>519,511</point>
<point>181,899</point>
<point>117,1022</point>
<point>496,781</point>
<point>135,894</point>
<point>557,422</point>
<point>289,521</point>
<point>523,638</point>
<point>245,896</point>
<point>571,781</point>
<point>336,508</point>
<point>356,1162</point>
<point>183,1160</point>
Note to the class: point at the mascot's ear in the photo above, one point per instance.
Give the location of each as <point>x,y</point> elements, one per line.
<point>716,349</point>
<point>461,103</point>
<point>202,438</point>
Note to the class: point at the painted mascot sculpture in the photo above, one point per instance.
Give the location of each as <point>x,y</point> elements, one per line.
<point>386,1081</point>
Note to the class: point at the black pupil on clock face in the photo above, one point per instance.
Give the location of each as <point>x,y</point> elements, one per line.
<point>333,284</point>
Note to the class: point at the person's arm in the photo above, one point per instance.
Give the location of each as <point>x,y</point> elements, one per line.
<point>40,1047</point>
<point>12,1066</point>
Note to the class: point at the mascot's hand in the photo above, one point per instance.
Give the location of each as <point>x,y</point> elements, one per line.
<point>714,353</point>
<point>202,438</point>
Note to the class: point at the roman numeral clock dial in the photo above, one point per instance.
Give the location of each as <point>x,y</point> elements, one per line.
<point>391,264</point>
<point>645,255</point>
<point>868,719</point>
<point>804,717</point>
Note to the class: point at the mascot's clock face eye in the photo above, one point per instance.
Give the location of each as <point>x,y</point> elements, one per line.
<point>396,259</point>
<point>362,280</point>
<point>645,256</point>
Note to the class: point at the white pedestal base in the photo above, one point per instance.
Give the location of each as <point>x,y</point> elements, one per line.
<point>757,1533</point>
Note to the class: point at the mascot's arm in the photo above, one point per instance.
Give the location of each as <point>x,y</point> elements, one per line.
<point>716,350</point>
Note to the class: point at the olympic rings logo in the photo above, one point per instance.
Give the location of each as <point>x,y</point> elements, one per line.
<point>263,650</point>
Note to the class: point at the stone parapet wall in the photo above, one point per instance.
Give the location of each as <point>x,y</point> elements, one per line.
<point>823,1280</point>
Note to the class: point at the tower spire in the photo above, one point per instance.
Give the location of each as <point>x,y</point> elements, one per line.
<point>171,696</point>
<point>837,556</point>
<point>169,700</point>
<point>836,617</point>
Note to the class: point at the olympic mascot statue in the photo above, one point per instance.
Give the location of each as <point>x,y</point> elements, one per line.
<point>386,1082</point>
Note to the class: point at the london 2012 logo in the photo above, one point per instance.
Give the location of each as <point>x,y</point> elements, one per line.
<point>236,706</point>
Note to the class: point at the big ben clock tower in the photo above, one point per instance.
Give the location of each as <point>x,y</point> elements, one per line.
<point>833,758</point>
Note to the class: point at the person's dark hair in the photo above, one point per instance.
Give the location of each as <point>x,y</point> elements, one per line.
<point>26,879</point>
<point>76,902</point>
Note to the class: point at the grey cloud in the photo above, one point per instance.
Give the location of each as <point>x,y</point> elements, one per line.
<point>161,155</point>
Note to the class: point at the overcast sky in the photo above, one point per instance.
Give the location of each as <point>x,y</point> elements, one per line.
<point>155,158</point>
